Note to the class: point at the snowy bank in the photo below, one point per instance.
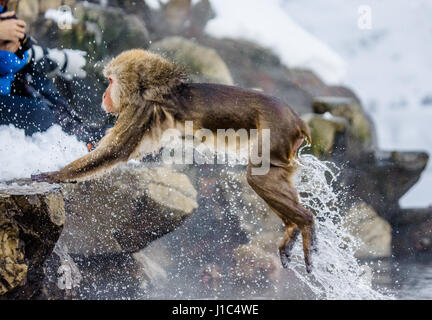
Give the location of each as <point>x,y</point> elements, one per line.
<point>21,156</point>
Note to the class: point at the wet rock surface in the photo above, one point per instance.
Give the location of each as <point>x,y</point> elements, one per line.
<point>31,220</point>
<point>110,219</point>
<point>382,178</point>
<point>412,235</point>
<point>125,210</point>
<point>374,232</point>
<point>95,255</point>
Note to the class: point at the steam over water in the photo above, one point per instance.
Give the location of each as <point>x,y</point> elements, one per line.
<point>337,274</point>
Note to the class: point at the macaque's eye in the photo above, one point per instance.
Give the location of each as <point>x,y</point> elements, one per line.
<point>110,80</point>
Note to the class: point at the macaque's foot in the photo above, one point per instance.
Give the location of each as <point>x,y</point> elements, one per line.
<point>285,258</point>
<point>308,261</point>
<point>45,177</point>
<point>285,252</point>
<point>309,267</point>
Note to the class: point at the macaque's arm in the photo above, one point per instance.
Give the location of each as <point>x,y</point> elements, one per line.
<point>98,160</point>
<point>109,153</point>
<point>115,147</point>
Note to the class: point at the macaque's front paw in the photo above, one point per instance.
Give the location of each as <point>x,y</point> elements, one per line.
<point>50,177</point>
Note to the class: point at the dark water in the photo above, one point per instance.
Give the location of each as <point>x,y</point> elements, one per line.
<point>406,279</point>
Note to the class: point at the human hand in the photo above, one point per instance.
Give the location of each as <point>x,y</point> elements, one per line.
<point>11,29</point>
<point>11,46</point>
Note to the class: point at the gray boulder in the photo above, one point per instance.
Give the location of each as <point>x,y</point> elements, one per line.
<point>31,220</point>
<point>203,64</point>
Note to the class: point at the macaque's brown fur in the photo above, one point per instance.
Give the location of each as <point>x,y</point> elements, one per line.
<point>150,95</point>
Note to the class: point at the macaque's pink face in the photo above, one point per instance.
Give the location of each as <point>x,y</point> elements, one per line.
<point>107,103</point>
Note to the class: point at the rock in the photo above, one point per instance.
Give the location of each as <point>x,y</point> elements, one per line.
<point>201,13</point>
<point>94,32</point>
<point>211,278</point>
<point>31,220</point>
<point>360,132</point>
<point>255,267</point>
<point>27,9</point>
<point>108,220</point>
<point>381,178</point>
<point>62,275</point>
<point>202,63</point>
<point>152,264</point>
<point>412,232</point>
<point>253,66</point>
<point>340,91</point>
<point>324,129</point>
<point>44,5</point>
<point>13,270</point>
<point>176,15</point>
<point>309,81</point>
<point>374,233</point>
<point>125,210</point>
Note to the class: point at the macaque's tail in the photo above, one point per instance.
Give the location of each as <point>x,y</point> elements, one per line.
<point>304,130</point>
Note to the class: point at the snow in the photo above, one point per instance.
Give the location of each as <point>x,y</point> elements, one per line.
<point>266,23</point>
<point>21,156</point>
<point>156,4</point>
<point>59,16</point>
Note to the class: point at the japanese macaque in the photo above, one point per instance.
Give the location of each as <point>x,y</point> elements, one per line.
<point>150,94</point>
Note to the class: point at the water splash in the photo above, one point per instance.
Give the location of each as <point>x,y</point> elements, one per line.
<point>207,238</point>
<point>337,274</point>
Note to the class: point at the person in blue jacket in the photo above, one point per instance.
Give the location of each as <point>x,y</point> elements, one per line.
<point>28,98</point>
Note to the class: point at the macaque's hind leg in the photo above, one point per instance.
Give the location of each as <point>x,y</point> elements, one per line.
<point>277,191</point>
<point>287,243</point>
<point>309,245</point>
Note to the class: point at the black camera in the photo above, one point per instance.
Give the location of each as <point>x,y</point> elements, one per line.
<point>25,43</point>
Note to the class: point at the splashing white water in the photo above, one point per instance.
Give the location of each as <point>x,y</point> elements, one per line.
<point>337,274</point>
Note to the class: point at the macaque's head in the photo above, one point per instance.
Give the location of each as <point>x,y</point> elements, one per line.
<point>110,101</point>
<point>137,75</point>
